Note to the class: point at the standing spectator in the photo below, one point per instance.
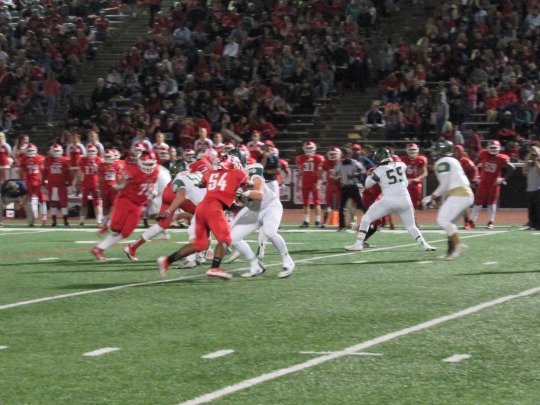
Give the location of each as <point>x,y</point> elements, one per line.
<point>531,170</point>
<point>93,140</point>
<point>51,94</point>
<point>310,175</point>
<point>6,158</point>
<point>75,150</point>
<point>255,145</point>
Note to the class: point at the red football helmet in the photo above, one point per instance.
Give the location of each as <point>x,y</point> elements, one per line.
<point>31,150</point>
<point>334,153</point>
<point>188,155</point>
<point>92,151</point>
<point>309,148</point>
<point>163,152</point>
<point>109,156</point>
<point>228,147</point>
<point>494,147</point>
<point>202,166</point>
<point>226,162</point>
<point>137,149</point>
<point>56,150</point>
<point>412,149</point>
<point>147,162</point>
<point>117,155</point>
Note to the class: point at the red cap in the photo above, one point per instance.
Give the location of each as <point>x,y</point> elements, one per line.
<point>356,146</point>
<point>268,143</point>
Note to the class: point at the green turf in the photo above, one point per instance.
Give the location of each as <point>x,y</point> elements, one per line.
<point>327,305</point>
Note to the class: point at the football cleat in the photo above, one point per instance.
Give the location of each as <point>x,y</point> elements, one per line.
<point>489,225</point>
<point>186,264</point>
<point>219,273</point>
<point>200,260</point>
<point>163,264</point>
<point>368,245</point>
<point>304,224</point>
<point>103,230</point>
<point>429,248</point>
<point>473,224</point>
<point>255,270</point>
<point>458,251</point>
<point>130,253</point>
<point>234,257</point>
<point>98,253</point>
<point>467,226</point>
<point>287,269</point>
<point>357,246</point>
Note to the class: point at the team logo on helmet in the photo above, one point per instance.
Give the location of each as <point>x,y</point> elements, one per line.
<point>309,148</point>
<point>56,150</point>
<point>494,147</point>
<point>334,153</point>
<point>31,150</point>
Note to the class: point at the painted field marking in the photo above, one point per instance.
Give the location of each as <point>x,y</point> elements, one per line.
<point>361,261</point>
<point>350,354</point>
<point>426,262</point>
<point>456,358</point>
<point>3,347</point>
<point>99,352</point>
<point>86,242</point>
<point>21,233</point>
<point>352,349</point>
<point>219,353</point>
<point>121,287</point>
<point>45,259</point>
<point>487,263</point>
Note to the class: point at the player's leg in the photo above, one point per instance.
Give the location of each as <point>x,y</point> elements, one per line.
<point>448,213</point>
<point>271,218</point>
<point>406,214</point>
<point>491,202</point>
<point>317,203</point>
<point>479,199</point>
<point>84,206</point>
<point>378,209</point>
<point>54,202</point>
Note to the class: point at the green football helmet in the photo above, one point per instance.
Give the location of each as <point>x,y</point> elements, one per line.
<point>239,153</point>
<point>178,166</point>
<point>382,155</point>
<point>441,148</point>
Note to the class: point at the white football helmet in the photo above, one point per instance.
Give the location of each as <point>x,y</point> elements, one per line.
<point>334,154</point>
<point>117,155</point>
<point>163,152</point>
<point>309,148</point>
<point>109,156</point>
<point>92,151</point>
<point>412,149</point>
<point>147,162</point>
<point>188,155</point>
<point>56,150</point>
<point>494,147</point>
<point>137,149</point>
<point>31,150</point>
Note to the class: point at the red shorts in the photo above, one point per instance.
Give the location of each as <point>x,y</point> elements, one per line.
<point>315,193</point>
<point>89,191</point>
<point>125,216</point>
<point>415,191</point>
<point>58,193</point>
<point>333,195</point>
<point>108,195</point>
<point>210,217</point>
<point>487,194</point>
<point>34,190</point>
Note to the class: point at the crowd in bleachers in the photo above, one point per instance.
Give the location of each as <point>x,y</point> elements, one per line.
<point>474,72</point>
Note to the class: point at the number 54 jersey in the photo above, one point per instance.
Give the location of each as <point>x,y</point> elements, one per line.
<point>392,179</point>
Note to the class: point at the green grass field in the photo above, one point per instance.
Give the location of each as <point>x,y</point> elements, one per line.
<point>371,327</point>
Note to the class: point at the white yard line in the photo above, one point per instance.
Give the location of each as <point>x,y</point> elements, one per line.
<point>351,350</point>
<point>219,353</point>
<point>99,352</point>
<point>456,358</point>
<point>307,260</point>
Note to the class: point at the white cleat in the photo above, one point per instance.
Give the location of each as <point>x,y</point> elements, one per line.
<point>429,248</point>
<point>218,273</point>
<point>163,265</point>
<point>186,264</point>
<point>368,245</point>
<point>287,270</point>
<point>130,253</point>
<point>200,260</point>
<point>254,272</point>
<point>357,246</point>
<point>234,257</point>
<point>458,251</point>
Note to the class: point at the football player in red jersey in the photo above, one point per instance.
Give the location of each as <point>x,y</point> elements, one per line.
<point>221,184</point>
<point>492,163</point>
<point>57,179</point>
<point>75,150</point>
<point>471,171</point>
<point>89,183</point>
<point>416,172</point>
<point>135,187</point>
<point>108,172</point>
<point>333,185</point>
<point>310,174</point>
<point>31,164</point>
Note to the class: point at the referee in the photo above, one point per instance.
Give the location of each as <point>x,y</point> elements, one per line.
<point>347,170</point>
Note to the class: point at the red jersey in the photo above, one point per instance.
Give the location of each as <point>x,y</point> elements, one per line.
<point>415,165</point>
<point>222,184</point>
<point>108,173</point>
<point>328,167</point>
<point>5,153</point>
<point>89,168</point>
<point>492,166</point>
<point>31,168</point>
<point>255,149</point>
<point>139,185</point>
<point>309,167</point>
<point>56,171</point>
<point>74,153</point>
<point>470,169</point>
<point>283,170</point>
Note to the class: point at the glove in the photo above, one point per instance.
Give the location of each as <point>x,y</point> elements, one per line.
<point>501,180</point>
<point>165,214</point>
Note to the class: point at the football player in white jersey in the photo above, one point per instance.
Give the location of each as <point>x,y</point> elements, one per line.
<point>454,188</point>
<point>181,192</point>
<point>391,177</point>
<point>262,209</point>
<point>154,204</point>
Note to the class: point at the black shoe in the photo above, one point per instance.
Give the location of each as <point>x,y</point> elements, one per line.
<point>304,224</point>
<point>317,224</point>
<point>53,225</point>
<point>145,221</point>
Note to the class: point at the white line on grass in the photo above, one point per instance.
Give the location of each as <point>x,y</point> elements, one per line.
<point>121,287</point>
<point>21,233</point>
<point>456,358</point>
<point>491,263</point>
<point>3,347</point>
<point>351,354</point>
<point>46,259</point>
<point>99,352</point>
<point>353,349</point>
<point>219,353</point>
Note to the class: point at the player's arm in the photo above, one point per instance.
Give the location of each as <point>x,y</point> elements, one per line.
<point>257,193</point>
<point>178,200</point>
<point>372,179</point>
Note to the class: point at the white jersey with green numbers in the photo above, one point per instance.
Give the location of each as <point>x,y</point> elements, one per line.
<point>450,175</point>
<point>391,178</point>
<point>256,170</point>
<point>189,182</point>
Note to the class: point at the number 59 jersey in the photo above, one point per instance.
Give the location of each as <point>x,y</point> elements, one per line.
<point>392,179</point>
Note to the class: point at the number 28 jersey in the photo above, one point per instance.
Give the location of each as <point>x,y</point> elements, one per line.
<point>392,179</point>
